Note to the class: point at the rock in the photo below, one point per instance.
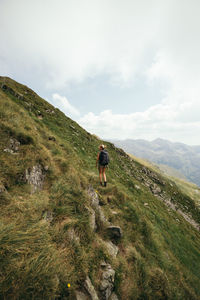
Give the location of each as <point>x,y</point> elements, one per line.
<point>49,111</point>
<point>35,178</point>
<point>90,289</point>
<point>52,138</point>
<point>48,216</point>
<point>107,282</point>
<point>155,189</point>
<point>72,236</point>
<point>9,151</point>
<point>102,219</point>
<point>111,248</point>
<point>13,147</point>
<point>98,210</point>
<point>6,88</point>
<point>113,297</point>
<point>137,187</point>
<point>81,295</point>
<point>114,232</point>
<point>92,218</point>
<point>2,188</point>
<point>94,197</point>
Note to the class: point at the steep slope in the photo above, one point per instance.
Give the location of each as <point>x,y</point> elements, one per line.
<point>174,158</point>
<point>62,236</point>
<point>188,188</point>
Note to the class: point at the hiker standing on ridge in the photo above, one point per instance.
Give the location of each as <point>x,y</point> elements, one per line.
<point>102,162</point>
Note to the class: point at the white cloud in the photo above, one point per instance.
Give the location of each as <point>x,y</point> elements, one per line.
<point>161,120</point>
<point>67,41</point>
<point>62,103</point>
<point>76,39</point>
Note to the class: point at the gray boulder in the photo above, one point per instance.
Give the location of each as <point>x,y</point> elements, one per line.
<point>114,232</point>
<point>107,281</point>
<point>113,297</point>
<point>35,178</point>
<point>90,289</point>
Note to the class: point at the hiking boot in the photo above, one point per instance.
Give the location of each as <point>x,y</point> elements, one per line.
<point>101,183</point>
<point>105,183</point>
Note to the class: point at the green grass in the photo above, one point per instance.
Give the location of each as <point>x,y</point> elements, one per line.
<point>159,256</point>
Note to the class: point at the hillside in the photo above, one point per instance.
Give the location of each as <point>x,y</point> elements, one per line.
<point>188,188</point>
<point>62,236</point>
<point>175,159</point>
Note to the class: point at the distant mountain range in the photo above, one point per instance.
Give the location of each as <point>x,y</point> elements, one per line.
<point>175,159</point>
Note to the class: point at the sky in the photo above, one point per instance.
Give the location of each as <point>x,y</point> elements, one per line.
<point>120,68</point>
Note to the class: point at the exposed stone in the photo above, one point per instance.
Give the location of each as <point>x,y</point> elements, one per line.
<point>13,147</point>
<point>98,210</point>
<point>2,188</point>
<point>111,248</point>
<point>113,297</point>
<point>72,236</point>
<point>90,289</point>
<point>155,189</point>
<point>48,216</point>
<point>8,89</point>
<point>102,219</point>
<point>49,111</point>
<point>137,187</point>
<point>94,197</point>
<point>188,218</point>
<point>92,218</point>
<point>107,282</point>
<point>35,178</point>
<point>52,138</point>
<point>80,295</point>
<point>9,151</point>
<point>114,232</point>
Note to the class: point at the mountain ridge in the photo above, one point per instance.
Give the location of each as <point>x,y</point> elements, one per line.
<point>183,158</point>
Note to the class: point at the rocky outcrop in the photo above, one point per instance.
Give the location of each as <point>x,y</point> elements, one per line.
<point>156,190</point>
<point>111,248</point>
<point>107,281</point>
<point>80,295</point>
<point>92,218</point>
<point>8,89</point>
<point>48,216</point>
<point>114,232</point>
<point>113,297</point>
<point>35,177</point>
<point>99,215</point>
<point>172,206</point>
<point>2,188</point>
<point>90,289</point>
<point>13,146</point>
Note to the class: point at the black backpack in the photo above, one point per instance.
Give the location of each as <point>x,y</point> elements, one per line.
<point>103,158</point>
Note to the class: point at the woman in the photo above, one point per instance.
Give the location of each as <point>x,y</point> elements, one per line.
<point>102,162</point>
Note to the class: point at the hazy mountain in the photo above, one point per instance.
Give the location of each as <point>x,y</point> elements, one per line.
<point>183,158</point>
<point>63,236</point>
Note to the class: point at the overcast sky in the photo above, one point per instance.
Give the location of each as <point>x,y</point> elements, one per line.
<point>120,68</point>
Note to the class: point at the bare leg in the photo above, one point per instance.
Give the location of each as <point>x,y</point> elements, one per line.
<point>100,174</point>
<point>104,174</point>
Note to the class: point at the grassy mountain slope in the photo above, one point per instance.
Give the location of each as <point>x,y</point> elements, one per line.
<point>46,239</point>
<point>173,158</point>
<point>188,188</point>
